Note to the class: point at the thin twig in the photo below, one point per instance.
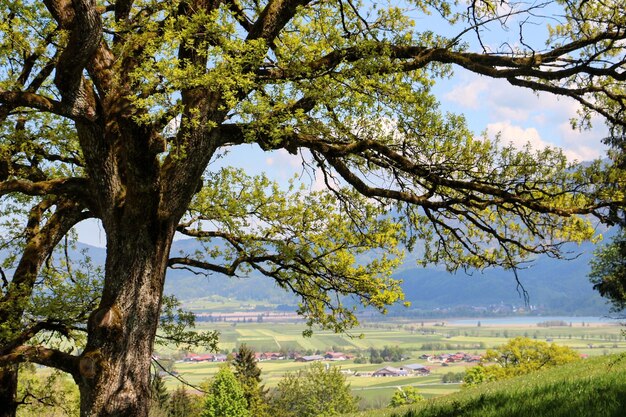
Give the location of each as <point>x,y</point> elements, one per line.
<point>176,376</point>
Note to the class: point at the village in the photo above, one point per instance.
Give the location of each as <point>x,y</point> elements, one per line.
<point>411,369</point>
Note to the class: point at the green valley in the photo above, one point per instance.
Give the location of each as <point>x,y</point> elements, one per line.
<point>416,339</point>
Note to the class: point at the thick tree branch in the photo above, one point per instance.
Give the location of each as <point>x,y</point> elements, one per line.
<point>14,99</point>
<point>52,358</point>
<point>274,18</point>
<point>41,241</point>
<point>19,98</point>
<point>100,62</point>
<point>235,241</point>
<point>30,332</point>
<point>62,11</point>
<point>416,57</point>
<point>239,14</point>
<point>5,281</point>
<point>85,25</point>
<point>230,270</point>
<point>479,194</point>
<point>550,71</point>
<point>122,9</point>
<point>59,186</point>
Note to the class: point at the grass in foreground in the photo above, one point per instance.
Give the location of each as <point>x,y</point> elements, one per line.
<point>591,388</point>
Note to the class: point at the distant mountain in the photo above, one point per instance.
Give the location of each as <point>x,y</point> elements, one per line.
<point>554,286</point>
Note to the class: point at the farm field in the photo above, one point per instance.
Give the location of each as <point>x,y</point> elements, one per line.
<point>415,338</point>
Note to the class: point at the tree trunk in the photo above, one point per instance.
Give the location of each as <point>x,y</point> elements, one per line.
<point>8,390</point>
<point>114,369</point>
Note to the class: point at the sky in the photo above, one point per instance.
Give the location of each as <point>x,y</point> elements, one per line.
<point>520,116</point>
<point>523,116</point>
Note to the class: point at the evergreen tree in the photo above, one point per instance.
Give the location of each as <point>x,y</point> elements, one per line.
<point>245,364</point>
<point>158,392</point>
<point>182,404</point>
<point>248,374</point>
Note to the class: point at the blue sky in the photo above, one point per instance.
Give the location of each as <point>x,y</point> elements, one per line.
<point>522,116</point>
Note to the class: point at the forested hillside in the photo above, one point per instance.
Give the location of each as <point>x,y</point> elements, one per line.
<point>554,286</point>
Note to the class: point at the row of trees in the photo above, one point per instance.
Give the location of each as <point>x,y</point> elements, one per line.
<point>386,354</point>
<point>453,377</point>
<point>116,110</point>
<point>441,346</point>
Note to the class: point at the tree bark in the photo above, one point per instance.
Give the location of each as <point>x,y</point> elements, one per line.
<point>8,389</point>
<point>114,369</point>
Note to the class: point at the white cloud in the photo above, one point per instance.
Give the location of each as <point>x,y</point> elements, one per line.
<point>516,135</point>
<point>583,145</point>
<point>283,164</point>
<point>468,95</point>
<point>524,116</point>
<point>576,145</point>
<point>318,183</point>
<point>282,157</point>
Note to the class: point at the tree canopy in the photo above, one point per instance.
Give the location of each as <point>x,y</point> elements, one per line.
<point>404,396</point>
<point>519,356</point>
<point>225,396</point>
<point>115,110</point>
<point>316,391</point>
<point>608,271</point>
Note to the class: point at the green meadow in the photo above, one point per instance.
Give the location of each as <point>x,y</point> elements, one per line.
<point>415,338</point>
<point>593,387</point>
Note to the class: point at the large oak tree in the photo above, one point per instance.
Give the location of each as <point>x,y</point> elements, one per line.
<point>114,110</point>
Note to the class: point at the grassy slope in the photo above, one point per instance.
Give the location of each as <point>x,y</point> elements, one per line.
<point>591,388</point>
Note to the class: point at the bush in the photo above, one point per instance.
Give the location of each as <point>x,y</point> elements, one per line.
<point>405,396</point>
<point>315,391</point>
<point>518,357</point>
